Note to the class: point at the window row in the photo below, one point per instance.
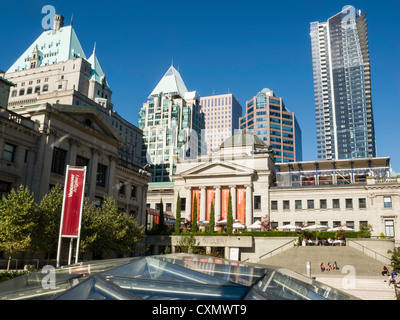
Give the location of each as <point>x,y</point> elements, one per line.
<point>30,90</point>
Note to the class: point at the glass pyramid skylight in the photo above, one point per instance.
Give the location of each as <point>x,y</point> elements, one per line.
<point>166,277</point>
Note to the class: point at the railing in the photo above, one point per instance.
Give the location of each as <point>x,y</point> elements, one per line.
<point>373,254</point>
<point>272,251</point>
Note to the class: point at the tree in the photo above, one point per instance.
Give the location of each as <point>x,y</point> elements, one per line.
<point>161,219</point>
<point>194,217</point>
<point>212,219</point>
<point>395,260</point>
<point>107,229</point>
<point>266,223</point>
<point>178,215</point>
<point>18,217</point>
<point>49,217</point>
<point>229,222</point>
<point>365,231</point>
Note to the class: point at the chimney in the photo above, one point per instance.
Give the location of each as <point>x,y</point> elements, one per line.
<point>58,22</point>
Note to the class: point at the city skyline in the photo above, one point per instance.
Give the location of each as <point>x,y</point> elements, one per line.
<point>237,48</point>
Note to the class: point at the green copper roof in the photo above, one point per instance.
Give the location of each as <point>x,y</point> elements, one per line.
<point>97,72</point>
<point>53,47</point>
<point>171,83</point>
<point>241,139</point>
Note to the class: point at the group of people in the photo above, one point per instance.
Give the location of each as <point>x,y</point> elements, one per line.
<point>329,267</point>
<point>392,276</point>
<point>315,242</point>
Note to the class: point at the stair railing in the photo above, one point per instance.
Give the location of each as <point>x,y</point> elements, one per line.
<point>276,249</point>
<point>374,255</point>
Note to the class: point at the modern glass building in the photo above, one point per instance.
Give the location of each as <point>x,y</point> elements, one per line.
<point>342,86</point>
<point>222,113</point>
<point>269,119</point>
<point>168,277</point>
<point>172,122</point>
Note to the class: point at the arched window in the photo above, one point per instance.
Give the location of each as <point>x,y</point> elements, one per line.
<point>14,93</point>
<point>29,91</point>
<point>45,88</point>
<point>37,89</point>
<point>21,92</point>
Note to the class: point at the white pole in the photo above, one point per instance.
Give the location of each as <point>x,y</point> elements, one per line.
<point>80,218</point>
<point>70,251</point>
<point>61,222</point>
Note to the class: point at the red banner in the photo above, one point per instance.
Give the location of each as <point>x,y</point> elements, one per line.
<point>210,199</point>
<point>240,204</point>
<point>73,199</point>
<point>224,203</point>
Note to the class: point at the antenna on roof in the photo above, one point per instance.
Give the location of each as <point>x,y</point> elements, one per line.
<point>172,62</point>
<point>72,18</point>
<point>94,48</point>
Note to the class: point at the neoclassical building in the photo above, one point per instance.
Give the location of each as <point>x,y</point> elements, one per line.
<point>333,193</point>
<point>56,110</point>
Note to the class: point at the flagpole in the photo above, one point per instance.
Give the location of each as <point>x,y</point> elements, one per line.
<point>61,222</point>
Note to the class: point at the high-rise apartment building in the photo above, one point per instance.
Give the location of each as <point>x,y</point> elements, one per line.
<point>172,122</point>
<point>342,86</point>
<point>222,113</point>
<point>268,118</point>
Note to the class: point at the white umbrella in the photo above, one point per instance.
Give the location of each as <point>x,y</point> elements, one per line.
<point>172,221</point>
<point>289,227</point>
<point>237,225</point>
<point>203,223</point>
<point>343,228</point>
<point>226,221</point>
<point>315,227</point>
<point>255,225</point>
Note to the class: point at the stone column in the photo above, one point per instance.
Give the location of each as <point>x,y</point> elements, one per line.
<point>93,173</point>
<point>249,205</point>
<point>73,150</point>
<point>188,207</point>
<point>234,202</point>
<point>217,203</point>
<point>203,203</point>
<point>111,177</point>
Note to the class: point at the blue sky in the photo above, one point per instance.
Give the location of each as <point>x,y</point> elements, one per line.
<point>219,46</point>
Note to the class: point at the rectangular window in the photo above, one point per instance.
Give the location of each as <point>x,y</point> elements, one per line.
<point>387,202</point>
<point>183,204</point>
<point>335,204</point>
<point>389,228</point>
<point>322,204</point>
<point>133,192</point>
<point>58,163</point>
<point>310,204</point>
<point>168,207</point>
<point>286,205</point>
<point>101,175</point>
<point>274,205</point>
<point>349,203</point>
<point>257,202</point>
<point>9,152</point>
<point>297,204</point>
<point>121,188</point>
<point>5,188</point>
<point>82,162</point>
<point>362,203</point>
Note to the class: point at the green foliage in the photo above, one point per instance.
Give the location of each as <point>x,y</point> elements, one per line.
<point>178,215</point>
<point>188,244</point>
<point>5,276</point>
<point>194,218</point>
<point>105,229</point>
<point>395,259</point>
<point>18,217</point>
<point>229,223</point>
<point>210,228</point>
<point>365,231</point>
<point>49,216</point>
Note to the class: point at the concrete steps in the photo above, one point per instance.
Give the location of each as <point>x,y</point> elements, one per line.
<point>362,287</point>
<point>358,274</point>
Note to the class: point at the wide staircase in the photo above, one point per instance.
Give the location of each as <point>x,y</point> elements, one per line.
<point>358,274</point>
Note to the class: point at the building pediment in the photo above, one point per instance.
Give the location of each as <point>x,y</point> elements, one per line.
<point>217,169</point>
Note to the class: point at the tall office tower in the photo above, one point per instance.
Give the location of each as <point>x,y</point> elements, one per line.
<point>342,86</point>
<point>55,69</point>
<point>222,113</point>
<point>172,122</point>
<point>269,119</point>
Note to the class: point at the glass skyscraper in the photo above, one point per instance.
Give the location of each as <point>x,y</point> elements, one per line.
<point>342,86</point>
